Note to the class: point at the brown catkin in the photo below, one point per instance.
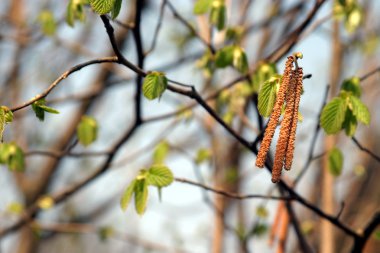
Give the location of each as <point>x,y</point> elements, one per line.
<point>273,120</point>
<point>286,125</point>
<point>292,135</point>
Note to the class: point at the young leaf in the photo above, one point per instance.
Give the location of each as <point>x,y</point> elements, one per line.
<point>264,72</point>
<point>105,232</point>
<point>45,202</point>
<point>350,123</point>
<point>360,110</point>
<point>161,151</point>
<point>102,6</point>
<point>267,96</point>
<point>333,114</point>
<point>240,61</point>
<point>218,14</point>
<point>224,57</point>
<point>202,6</point>
<point>2,122</point>
<point>154,85</point>
<point>116,9</point>
<point>12,156</point>
<point>353,19</point>
<point>127,195</point>
<point>39,107</point>
<point>75,12</point>
<point>203,154</point>
<point>353,85</point>
<point>160,176</point>
<point>335,162</point>
<point>47,21</point>
<point>141,195</point>
<point>16,160</point>
<point>87,130</point>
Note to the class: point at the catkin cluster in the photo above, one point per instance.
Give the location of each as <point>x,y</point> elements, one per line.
<point>289,93</point>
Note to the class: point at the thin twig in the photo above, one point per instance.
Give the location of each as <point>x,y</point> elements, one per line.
<point>364,149</point>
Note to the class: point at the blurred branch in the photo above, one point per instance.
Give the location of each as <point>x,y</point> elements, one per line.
<point>231,194</point>
<point>156,31</point>
<point>81,228</point>
<point>189,26</point>
<point>366,150</point>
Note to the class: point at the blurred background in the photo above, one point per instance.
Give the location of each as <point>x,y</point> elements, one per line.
<point>37,45</point>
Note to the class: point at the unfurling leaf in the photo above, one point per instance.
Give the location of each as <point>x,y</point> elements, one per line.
<point>352,85</point>
<point>350,123</point>
<point>360,110</point>
<point>12,156</point>
<point>141,195</point>
<point>240,61</point>
<point>159,176</point>
<point>202,6</point>
<point>335,162</point>
<point>263,73</point>
<point>87,130</point>
<point>224,57</point>
<point>267,96</point>
<point>39,107</point>
<point>154,85</point>
<point>105,232</point>
<point>102,6</point>
<point>47,21</point>
<point>203,155</point>
<point>75,11</point>
<point>160,153</point>
<point>333,115</point>
<point>127,195</point>
<point>45,202</point>
<point>218,14</point>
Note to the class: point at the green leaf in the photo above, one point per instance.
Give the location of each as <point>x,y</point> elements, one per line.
<point>218,14</point>
<point>335,162</point>
<point>39,107</point>
<point>352,85</point>
<point>263,73</point>
<point>47,21</point>
<point>259,229</point>
<point>159,175</point>
<point>154,85</point>
<point>116,9</point>
<point>360,110</point>
<point>262,212</point>
<point>202,6</point>
<point>377,235</point>
<point>333,114</point>
<point>240,61</point>
<point>353,19</point>
<point>2,123</point>
<point>75,11</point>
<point>102,6</point>
<point>203,155</point>
<point>350,123</point>
<point>224,57</point>
<point>15,208</point>
<point>161,151</point>
<point>141,195</point>
<point>105,232</point>
<point>87,130</point>
<point>127,195</point>
<point>267,96</point>
<point>12,156</point>
<point>16,160</point>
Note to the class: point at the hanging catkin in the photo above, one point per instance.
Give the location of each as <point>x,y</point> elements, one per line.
<point>273,121</point>
<point>292,136</point>
<point>285,129</point>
